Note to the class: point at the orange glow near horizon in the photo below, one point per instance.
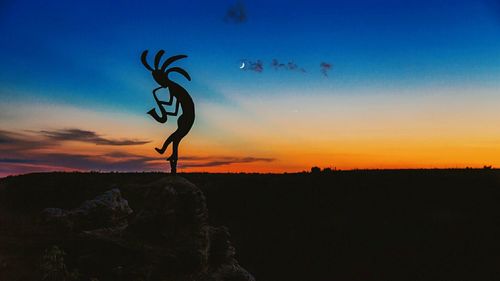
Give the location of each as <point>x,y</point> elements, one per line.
<point>380,131</point>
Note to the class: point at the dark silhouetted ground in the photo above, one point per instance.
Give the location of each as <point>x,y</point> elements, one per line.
<point>342,225</point>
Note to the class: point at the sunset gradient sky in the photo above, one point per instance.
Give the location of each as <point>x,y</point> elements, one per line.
<point>413,84</point>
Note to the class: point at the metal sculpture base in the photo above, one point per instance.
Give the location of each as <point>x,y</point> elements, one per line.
<point>173,166</point>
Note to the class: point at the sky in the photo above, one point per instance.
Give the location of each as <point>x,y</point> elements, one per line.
<point>279,86</point>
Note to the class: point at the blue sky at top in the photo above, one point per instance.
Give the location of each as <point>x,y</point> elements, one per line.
<point>87,51</point>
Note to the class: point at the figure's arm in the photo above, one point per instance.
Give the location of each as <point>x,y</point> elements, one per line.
<point>169,102</point>
<point>152,112</point>
<point>160,119</point>
<point>176,110</point>
<point>164,113</point>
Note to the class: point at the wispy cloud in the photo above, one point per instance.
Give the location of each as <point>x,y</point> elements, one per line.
<point>16,161</point>
<point>89,137</point>
<point>292,66</point>
<point>114,161</point>
<point>236,13</point>
<point>30,152</point>
<point>257,66</point>
<point>13,141</point>
<point>214,161</point>
<point>97,162</point>
<point>26,152</point>
<point>325,67</point>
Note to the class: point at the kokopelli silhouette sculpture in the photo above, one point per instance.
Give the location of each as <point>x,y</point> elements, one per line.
<point>182,98</point>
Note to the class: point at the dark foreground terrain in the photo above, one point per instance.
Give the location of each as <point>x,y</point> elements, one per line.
<point>352,225</point>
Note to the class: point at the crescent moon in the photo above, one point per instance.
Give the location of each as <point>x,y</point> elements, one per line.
<point>242,65</point>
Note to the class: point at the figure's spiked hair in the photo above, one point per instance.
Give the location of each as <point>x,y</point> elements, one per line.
<point>158,58</point>
<point>180,71</point>
<point>171,60</point>
<point>167,62</point>
<point>144,61</point>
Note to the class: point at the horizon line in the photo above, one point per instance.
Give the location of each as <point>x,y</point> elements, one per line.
<point>321,171</point>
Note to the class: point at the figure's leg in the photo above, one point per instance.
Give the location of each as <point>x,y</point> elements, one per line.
<point>175,151</point>
<point>183,127</point>
<point>174,157</point>
<point>165,144</point>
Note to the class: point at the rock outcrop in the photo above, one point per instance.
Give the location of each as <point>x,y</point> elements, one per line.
<point>222,258</point>
<point>106,210</point>
<point>165,237</point>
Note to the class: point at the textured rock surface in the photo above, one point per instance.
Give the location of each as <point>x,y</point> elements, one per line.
<point>223,264</point>
<point>166,237</point>
<point>106,210</point>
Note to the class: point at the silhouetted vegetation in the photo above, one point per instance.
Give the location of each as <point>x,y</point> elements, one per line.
<point>327,170</point>
<point>315,170</point>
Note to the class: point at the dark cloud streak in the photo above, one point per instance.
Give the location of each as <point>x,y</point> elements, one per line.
<point>236,13</point>
<point>16,161</point>
<point>291,66</point>
<point>325,67</point>
<point>257,66</point>
<point>21,153</point>
<point>11,141</point>
<point>88,136</point>
<point>221,161</point>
